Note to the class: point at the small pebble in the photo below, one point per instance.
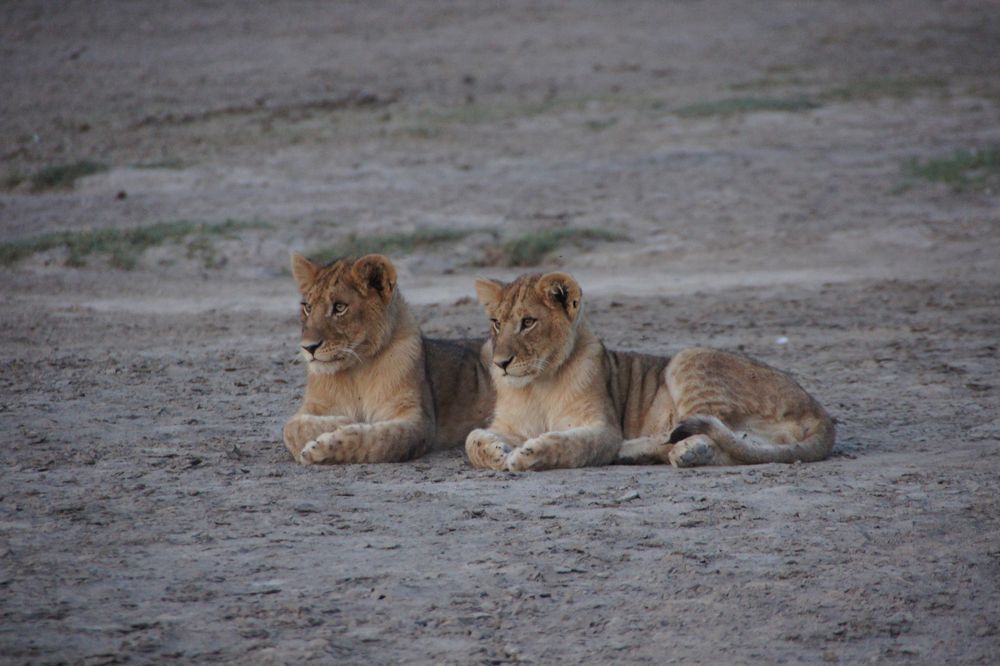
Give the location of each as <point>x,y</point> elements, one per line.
<point>306,507</point>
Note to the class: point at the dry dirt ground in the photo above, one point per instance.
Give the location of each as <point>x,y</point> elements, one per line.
<point>751,158</point>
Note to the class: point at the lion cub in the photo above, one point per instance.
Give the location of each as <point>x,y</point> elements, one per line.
<point>563,400</point>
<point>376,390</point>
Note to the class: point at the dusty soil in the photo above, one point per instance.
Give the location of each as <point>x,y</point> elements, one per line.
<point>149,512</point>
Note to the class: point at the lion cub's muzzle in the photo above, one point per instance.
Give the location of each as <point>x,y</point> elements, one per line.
<point>503,362</point>
<point>514,371</point>
<point>321,355</point>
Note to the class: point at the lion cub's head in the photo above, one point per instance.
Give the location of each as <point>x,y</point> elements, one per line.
<point>533,324</point>
<point>346,310</point>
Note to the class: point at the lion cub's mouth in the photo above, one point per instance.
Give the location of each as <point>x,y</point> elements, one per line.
<point>333,364</point>
<point>517,381</point>
<point>336,358</point>
<point>521,376</point>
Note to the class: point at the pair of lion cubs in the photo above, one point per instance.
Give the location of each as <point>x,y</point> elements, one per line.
<point>377,391</point>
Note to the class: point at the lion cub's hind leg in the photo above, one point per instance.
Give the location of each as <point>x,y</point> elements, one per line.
<point>698,451</point>
<point>654,450</point>
<point>678,448</point>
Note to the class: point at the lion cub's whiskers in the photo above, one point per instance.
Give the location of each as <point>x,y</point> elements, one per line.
<point>540,365</point>
<point>350,351</point>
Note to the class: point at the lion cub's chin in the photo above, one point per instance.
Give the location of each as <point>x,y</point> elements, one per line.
<point>517,382</point>
<point>328,367</point>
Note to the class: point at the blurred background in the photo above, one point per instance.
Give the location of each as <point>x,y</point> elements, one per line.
<point>628,139</point>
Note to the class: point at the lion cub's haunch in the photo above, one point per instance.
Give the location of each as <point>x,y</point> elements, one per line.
<point>376,390</point>
<point>563,400</point>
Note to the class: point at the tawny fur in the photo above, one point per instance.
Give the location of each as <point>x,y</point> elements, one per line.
<point>563,400</point>
<point>376,390</point>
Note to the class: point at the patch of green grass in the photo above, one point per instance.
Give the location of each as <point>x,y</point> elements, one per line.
<point>768,82</point>
<point>862,89</point>
<point>601,124</point>
<point>359,245</point>
<point>434,123</point>
<point>420,132</point>
<point>531,249</point>
<point>963,170</point>
<point>161,164</point>
<point>475,114</point>
<point>203,249</point>
<point>899,88</point>
<point>989,90</point>
<point>123,246</point>
<point>13,179</point>
<point>63,176</point>
<point>479,113</point>
<point>736,105</point>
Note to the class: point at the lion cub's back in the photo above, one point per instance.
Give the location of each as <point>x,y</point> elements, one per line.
<point>461,388</point>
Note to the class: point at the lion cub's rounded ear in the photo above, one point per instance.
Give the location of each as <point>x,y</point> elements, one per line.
<point>488,291</point>
<point>560,290</point>
<point>304,271</point>
<point>375,272</point>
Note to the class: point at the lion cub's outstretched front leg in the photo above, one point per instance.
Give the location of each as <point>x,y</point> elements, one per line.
<point>575,447</point>
<point>304,428</point>
<point>385,441</point>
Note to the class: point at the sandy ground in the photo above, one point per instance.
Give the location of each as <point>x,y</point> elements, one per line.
<point>149,513</point>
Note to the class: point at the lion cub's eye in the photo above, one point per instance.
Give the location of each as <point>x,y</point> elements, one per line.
<point>339,308</point>
<point>306,308</point>
<point>527,323</point>
<point>496,324</point>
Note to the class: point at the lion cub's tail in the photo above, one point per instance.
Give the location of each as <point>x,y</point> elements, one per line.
<point>752,448</point>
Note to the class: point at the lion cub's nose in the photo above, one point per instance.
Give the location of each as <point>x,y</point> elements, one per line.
<point>311,348</point>
<point>503,363</point>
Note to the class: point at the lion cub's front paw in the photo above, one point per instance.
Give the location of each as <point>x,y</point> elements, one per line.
<point>341,445</point>
<point>310,454</point>
<point>523,459</point>
<point>536,453</point>
<point>294,447</point>
<point>486,450</point>
<point>303,429</point>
